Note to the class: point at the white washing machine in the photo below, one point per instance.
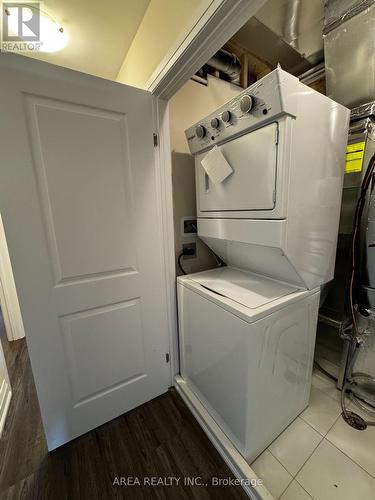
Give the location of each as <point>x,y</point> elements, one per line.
<point>248,352</point>
<point>269,174</point>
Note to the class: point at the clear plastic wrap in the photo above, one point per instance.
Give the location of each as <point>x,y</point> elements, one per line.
<point>349,55</point>
<point>337,12</point>
<point>363,111</point>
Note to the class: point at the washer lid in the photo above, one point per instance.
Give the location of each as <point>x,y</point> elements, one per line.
<point>249,290</point>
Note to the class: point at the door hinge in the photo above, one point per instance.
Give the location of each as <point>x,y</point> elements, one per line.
<point>156,140</point>
<point>167,357</point>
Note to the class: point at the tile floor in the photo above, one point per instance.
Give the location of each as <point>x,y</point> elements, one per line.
<point>319,456</point>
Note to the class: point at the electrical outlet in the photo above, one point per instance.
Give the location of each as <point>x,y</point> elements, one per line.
<point>189,226</point>
<point>189,250</point>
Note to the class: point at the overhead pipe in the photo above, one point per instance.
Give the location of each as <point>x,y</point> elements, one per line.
<point>226,63</point>
<point>292,17</point>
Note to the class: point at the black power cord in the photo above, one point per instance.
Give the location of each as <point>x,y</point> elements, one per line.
<point>185,251</point>
<point>191,251</point>
<point>356,298</point>
<point>179,262</point>
<point>355,290</point>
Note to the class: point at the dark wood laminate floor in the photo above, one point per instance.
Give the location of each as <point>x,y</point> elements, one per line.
<point>160,438</point>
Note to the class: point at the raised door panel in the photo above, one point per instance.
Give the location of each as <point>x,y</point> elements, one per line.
<point>104,349</point>
<point>83,176</point>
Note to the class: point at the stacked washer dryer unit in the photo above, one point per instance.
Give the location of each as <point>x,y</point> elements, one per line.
<point>269,174</point>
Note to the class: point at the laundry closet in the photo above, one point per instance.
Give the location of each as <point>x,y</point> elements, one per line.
<point>257,179</point>
<point>190,226</point>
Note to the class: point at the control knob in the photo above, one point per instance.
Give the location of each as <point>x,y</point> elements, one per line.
<point>215,123</point>
<point>200,131</point>
<point>226,116</point>
<point>246,103</point>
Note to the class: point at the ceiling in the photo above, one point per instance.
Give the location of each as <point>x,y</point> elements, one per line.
<point>100,33</point>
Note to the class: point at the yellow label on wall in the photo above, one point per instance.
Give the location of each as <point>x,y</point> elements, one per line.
<point>354,157</point>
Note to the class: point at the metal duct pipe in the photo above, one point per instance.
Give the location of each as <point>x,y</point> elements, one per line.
<point>349,55</point>
<point>227,63</point>
<point>313,74</point>
<point>292,18</point>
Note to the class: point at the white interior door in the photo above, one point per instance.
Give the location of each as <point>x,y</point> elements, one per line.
<point>80,206</point>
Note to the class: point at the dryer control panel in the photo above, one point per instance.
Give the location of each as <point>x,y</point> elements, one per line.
<point>255,106</point>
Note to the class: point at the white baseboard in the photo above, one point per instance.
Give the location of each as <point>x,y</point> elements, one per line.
<point>235,461</point>
<point>5,397</point>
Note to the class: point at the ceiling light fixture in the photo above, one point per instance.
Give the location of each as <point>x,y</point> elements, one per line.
<point>53,37</point>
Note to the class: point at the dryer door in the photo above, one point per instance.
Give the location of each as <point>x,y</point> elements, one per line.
<point>252,184</point>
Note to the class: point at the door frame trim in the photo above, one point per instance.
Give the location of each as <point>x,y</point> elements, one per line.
<point>5,389</point>
<point>219,22</point>
<point>8,293</point>
<point>5,397</point>
<point>163,165</point>
<point>231,456</point>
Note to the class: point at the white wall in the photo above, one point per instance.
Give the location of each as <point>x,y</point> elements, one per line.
<point>3,367</point>
<point>183,186</point>
<point>99,34</point>
<point>191,103</point>
<point>5,392</point>
<point>8,292</point>
<point>165,24</point>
